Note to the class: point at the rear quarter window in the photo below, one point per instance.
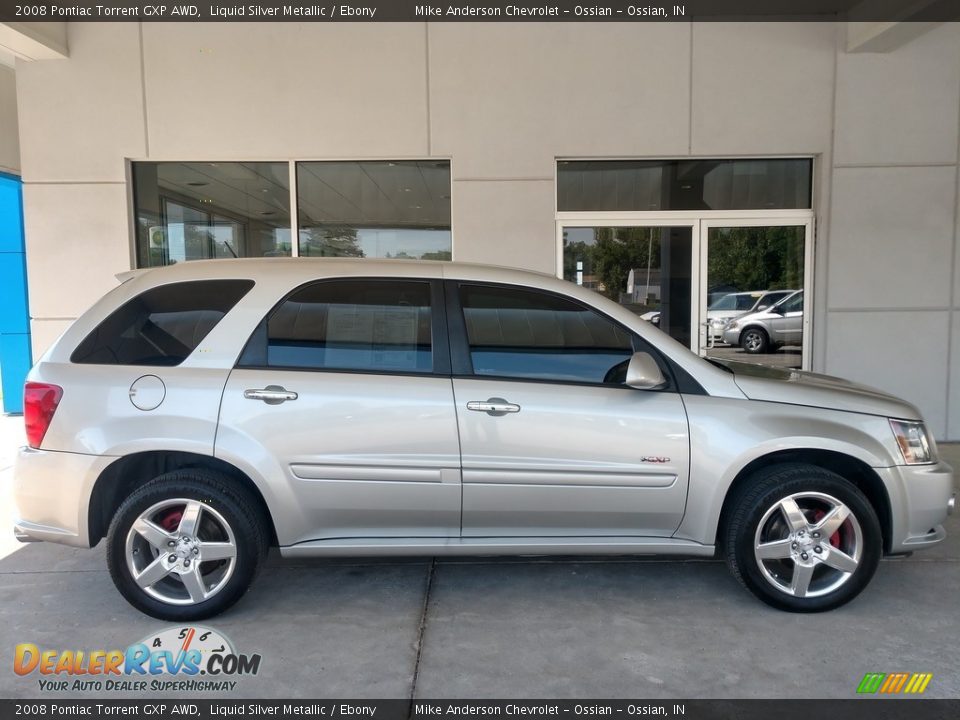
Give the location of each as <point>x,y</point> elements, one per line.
<point>161,326</point>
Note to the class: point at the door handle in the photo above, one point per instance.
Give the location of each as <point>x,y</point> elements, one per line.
<point>493,406</point>
<point>271,394</point>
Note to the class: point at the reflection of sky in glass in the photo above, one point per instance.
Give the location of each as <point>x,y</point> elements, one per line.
<point>377,243</point>
<point>579,234</point>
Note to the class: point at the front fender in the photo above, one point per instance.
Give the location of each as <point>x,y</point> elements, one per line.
<point>727,435</point>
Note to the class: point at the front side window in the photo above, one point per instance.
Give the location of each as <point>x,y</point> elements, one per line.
<point>521,333</point>
<point>162,326</point>
<point>353,325</point>
<point>792,304</point>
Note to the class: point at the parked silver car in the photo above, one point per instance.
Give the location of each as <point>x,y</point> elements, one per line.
<point>200,413</point>
<point>734,305</point>
<point>769,329</point>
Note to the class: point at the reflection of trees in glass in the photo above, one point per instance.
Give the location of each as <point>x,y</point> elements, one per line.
<point>612,255</point>
<point>437,255</point>
<point>330,241</point>
<point>757,258</point>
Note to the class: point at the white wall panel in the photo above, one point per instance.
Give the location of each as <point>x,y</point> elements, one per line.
<point>506,99</point>
<point>76,242</point>
<point>81,117</point>
<point>901,106</point>
<point>505,223</point>
<point>762,87</point>
<point>279,90</point>
<point>904,353</point>
<point>9,131</point>
<point>891,237</point>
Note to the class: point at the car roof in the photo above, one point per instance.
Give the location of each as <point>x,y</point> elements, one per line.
<point>326,266</point>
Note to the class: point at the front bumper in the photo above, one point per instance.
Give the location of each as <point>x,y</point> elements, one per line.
<point>731,337</point>
<point>921,497</point>
<point>51,491</point>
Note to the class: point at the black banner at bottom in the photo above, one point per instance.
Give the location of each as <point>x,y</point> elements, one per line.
<point>326,709</point>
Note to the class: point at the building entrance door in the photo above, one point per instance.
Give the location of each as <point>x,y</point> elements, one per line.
<point>727,288</point>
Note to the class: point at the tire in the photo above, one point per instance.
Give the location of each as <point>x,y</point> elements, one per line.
<point>776,554</point>
<point>230,532</point>
<point>754,341</point>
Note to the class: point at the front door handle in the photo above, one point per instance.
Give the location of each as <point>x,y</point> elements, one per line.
<point>493,406</point>
<point>271,394</point>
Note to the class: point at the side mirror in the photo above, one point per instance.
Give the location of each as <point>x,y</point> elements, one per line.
<point>776,310</point>
<point>643,373</point>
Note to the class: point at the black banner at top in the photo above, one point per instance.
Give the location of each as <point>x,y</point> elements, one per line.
<point>476,10</point>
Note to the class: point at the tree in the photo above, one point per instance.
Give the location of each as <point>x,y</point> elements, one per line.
<point>330,241</point>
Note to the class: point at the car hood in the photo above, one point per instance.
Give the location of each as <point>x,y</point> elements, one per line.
<point>797,387</point>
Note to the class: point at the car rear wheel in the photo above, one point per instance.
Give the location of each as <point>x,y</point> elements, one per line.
<point>754,341</point>
<point>802,538</point>
<point>186,545</point>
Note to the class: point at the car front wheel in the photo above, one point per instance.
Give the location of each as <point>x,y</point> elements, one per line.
<point>186,545</point>
<point>802,538</point>
<point>754,341</point>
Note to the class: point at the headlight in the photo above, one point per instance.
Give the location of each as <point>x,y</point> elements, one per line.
<point>718,322</point>
<point>915,446</point>
<point>733,325</point>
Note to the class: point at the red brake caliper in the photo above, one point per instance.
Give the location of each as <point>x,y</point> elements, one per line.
<point>171,519</point>
<point>835,538</point>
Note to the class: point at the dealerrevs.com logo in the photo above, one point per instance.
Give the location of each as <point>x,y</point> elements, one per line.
<point>180,659</point>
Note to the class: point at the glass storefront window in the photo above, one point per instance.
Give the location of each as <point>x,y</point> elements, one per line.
<point>375,209</point>
<point>657,185</point>
<point>645,269</point>
<point>755,278</point>
<point>200,210</point>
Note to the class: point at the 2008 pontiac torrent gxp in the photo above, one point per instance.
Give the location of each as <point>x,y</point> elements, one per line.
<point>200,413</point>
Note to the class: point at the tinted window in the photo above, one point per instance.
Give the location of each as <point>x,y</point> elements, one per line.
<point>161,326</point>
<point>367,325</point>
<point>703,184</point>
<point>527,334</point>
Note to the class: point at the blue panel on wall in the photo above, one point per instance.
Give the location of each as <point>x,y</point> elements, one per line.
<point>15,355</point>
<point>13,294</point>
<point>11,215</point>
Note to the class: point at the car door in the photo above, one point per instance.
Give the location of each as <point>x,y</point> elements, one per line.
<point>552,442</point>
<point>788,326</point>
<point>343,394</point>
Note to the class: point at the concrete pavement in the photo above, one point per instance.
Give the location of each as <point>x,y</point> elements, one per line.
<point>573,628</point>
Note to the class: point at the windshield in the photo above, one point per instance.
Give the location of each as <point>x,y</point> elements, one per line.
<point>727,302</point>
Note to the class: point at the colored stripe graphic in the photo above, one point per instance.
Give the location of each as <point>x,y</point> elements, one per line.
<point>895,683</point>
<point>871,682</point>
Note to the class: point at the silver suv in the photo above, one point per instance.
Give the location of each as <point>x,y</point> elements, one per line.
<point>767,330</point>
<point>199,414</point>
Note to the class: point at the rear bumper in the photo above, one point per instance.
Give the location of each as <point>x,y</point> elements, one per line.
<point>920,498</point>
<point>51,491</point>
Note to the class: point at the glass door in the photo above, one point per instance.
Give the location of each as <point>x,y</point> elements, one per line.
<point>648,269</point>
<point>754,304</point>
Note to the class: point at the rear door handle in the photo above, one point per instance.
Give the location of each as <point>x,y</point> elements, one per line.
<point>271,394</point>
<point>493,406</point>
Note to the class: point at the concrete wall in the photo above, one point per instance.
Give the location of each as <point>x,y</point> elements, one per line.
<point>892,281</point>
<point>9,130</point>
<point>503,102</point>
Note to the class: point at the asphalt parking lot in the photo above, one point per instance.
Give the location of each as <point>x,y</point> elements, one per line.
<point>522,628</point>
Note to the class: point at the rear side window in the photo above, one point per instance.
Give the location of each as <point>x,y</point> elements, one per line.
<point>361,325</point>
<point>162,326</point>
<point>527,334</point>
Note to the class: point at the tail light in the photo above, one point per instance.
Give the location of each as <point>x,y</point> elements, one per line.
<point>40,402</point>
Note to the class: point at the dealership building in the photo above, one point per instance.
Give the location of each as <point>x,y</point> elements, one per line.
<point>676,167</point>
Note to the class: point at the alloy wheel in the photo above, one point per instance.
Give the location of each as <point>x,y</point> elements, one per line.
<point>181,551</point>
<point>808,544</point>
